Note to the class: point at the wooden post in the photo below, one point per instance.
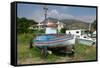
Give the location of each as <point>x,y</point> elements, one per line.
<point>44,52</point>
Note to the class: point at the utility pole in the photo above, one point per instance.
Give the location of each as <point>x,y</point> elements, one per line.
<point>90,27</point>
<point>44,49</point>
<point>45,9</point>
<point>90,30</point>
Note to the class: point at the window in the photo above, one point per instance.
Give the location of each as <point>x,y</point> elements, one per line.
<point>77,31</point>
<point>84,36</point>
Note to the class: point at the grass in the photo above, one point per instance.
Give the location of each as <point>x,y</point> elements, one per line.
<point>33,56</point>
<point>84,52</point>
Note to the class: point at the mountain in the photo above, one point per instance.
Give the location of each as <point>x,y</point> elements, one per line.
<point>75,24</point>
<point>69,23</point>
<point>54,20</point>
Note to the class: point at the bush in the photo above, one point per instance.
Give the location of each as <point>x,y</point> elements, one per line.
<point>63,30</point>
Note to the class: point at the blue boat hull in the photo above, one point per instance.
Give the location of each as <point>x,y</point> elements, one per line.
<point>54,40</point>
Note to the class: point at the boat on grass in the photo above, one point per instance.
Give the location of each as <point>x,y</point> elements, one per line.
<point>85,40</point>
<point>54,40</point>
<point>62,43</point>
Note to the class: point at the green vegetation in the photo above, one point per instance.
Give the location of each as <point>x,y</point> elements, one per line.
<point>63,30</point>
<point>84,52</point>
<point>33,56</point>
<point>94,25</point>
<point>23,24</point>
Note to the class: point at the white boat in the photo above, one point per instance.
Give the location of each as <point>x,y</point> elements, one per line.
<point>85,40</point>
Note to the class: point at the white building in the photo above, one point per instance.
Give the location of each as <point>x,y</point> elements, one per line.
<point>60,26</point>
<point>33,27</point>
<point>77,33</point>
<point>40,26</point>
<point>51,28</point>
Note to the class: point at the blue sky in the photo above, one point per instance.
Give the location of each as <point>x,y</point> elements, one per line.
<point>36,12</point>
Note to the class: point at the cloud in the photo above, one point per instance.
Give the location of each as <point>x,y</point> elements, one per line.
<point>53,13</point>
<point>86,18</point>
<point>56,14</point>
<point>38,16</point>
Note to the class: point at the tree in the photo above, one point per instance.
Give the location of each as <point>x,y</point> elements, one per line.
<point>63,30</point>
<point>94,25</point>
<point>23,24</point>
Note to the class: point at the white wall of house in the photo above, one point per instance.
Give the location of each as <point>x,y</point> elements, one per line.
<point>60,26</point>
<point>75,32</point>
<point>50,30</point>
<point>40,26</point>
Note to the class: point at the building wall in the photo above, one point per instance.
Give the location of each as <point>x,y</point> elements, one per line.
<point>51,30</point>
<point>75,32</point>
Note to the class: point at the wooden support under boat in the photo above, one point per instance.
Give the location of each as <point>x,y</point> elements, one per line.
<point>44,52</point>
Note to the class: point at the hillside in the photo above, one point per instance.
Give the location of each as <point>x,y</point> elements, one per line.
<point>69,23</point>
<point>75,24</point>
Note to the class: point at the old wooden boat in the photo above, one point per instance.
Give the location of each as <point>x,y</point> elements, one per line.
<point>63,43</point>
<point>54,40</point>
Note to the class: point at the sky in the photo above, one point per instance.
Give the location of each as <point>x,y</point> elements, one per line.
<point>36,12</point>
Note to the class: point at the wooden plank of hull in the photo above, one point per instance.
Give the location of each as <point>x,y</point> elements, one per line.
<point>63,42</point>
